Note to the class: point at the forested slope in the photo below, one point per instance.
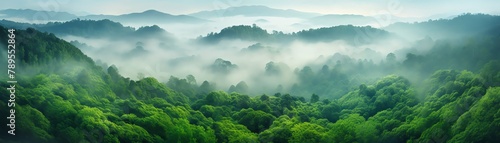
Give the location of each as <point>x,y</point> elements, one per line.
<point>63,96</point>
<point>355,35</point>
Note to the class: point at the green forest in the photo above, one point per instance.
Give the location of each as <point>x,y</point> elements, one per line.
<point>450,94</point>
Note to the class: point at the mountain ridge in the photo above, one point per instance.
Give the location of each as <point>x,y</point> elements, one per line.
<point>35,15</point>
<point>252,11</point>
<point>91,28</point>
<point>148,16</point>
<point>461,25</point>
<point>340,19</point>
<point>352,34</point>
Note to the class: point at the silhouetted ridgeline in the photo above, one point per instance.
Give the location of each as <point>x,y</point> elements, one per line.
<point>92,29</point>
<point>352,34</point>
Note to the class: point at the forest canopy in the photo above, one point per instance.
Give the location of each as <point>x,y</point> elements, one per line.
<point>448,94</point>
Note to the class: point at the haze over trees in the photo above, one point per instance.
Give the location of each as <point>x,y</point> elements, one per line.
<point>267,89</point>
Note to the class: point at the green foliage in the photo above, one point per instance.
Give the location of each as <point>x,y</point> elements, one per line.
<point>481,122</point>
<point>241,87</point>
<point>206,87</point>
<point>255,121</point>
<point>448,28</point>
<point>187,87</point>
<point>280,130</point>
<point>217,98</point>
<point>32,122</point>
<point>307,132</point>
<point>223,67</point>
<point>314,98</point>
<point>252,33</point>
<point>331,112</point>
<point>227,131</point>
<point>345,130</point>
<point>351,34</point>
<point>88,28</point>
<point>326,83</point>
<point>491,73</point>
<point>149,88</point>
<point>65,97</point>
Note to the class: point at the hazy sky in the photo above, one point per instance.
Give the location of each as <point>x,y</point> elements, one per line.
<point>404,8</point>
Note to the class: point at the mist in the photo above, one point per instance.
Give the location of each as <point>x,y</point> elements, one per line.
<point>284,62</point>
<point>181,56</point>
<point>187,31</point>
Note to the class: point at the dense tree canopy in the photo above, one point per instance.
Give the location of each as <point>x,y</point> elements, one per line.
<point>64,96</point>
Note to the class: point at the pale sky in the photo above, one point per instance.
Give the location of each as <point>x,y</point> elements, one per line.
<point>403,8</point>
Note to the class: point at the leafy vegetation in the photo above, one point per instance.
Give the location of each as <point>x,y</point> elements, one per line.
<point>66,97</point>
<point>92,29</point>
<point>352,34</point>
<point>463,25</point>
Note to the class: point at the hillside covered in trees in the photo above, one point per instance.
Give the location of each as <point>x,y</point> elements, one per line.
<point>349,33</point>
<point>92,29</point>
<point>448,94</point>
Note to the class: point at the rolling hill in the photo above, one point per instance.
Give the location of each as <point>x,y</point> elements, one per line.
<point>462,25</point>
<point>92,29</point>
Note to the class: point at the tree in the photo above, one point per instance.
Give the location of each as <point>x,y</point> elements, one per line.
<point>240,101</point>
<point>227,131</point>
<point>255,121</point>
<point>280,130</point>
<point>480,124</point>
<point>491,73</point>
<point>344,131</point>
<point>191,80</point>
<point>33,123</point>
<point>140,76</point>
<point>307,133</point>
<point>224,67</point>
<point>306,74</point>
<point>331,112</point>
<point>287,101</point>
<point>186,86</point>
<point>390,58</point>
<point>264,97</point>
<point>67,97</point>
<point>241,87</point>
<point>314,98</point>
<point>217,98</point>
<point>206,87</point>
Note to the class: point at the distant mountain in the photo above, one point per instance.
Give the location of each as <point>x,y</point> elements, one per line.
<point>463,25</point>
<point>150,30</point>
<point>340,19</point>
<point>87,28</point>
<point>35,15</point>
<point>149,16</point>
<point>251,11</point>
<point>261,21</point>
<point>92,29</point>
<point>442,16</point>
<point>355,35</point>
<point>17,25</point>
<point>243,32</point>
